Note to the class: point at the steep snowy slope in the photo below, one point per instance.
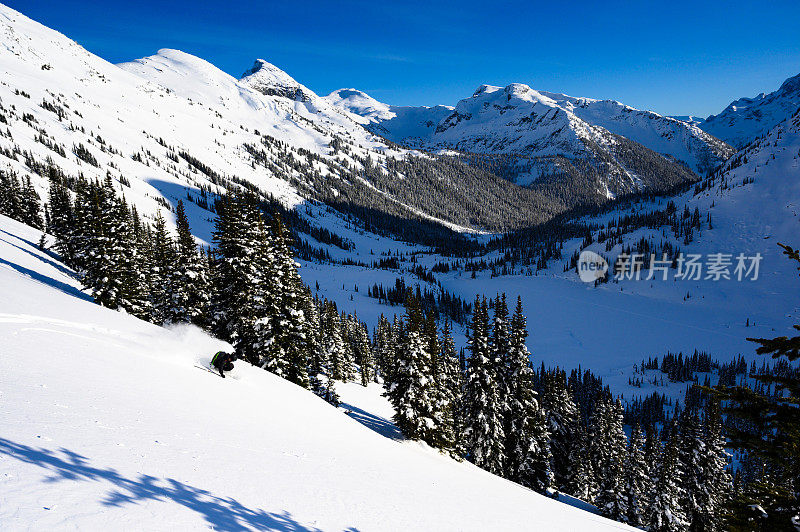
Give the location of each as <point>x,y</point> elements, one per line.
<point>747,118</point>
<point>681,140</point>
<point>519,120</point>
<point>110,422</point>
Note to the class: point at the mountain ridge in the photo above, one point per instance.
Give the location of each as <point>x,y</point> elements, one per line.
<point>747,118</point>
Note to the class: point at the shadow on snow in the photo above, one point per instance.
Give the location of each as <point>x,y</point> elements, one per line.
<point>222,513</point>
<point>380,425</point>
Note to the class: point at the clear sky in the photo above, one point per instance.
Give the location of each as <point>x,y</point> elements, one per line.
<point>672,57</point>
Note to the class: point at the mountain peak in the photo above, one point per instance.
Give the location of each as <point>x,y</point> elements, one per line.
<point>791,85</point>
<point>270,80</point>
<point>485,89</point>
<point>361,104</point>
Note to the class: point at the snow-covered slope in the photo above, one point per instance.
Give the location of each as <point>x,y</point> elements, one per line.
<point>747,118</point>
<point>149,122</point>
<point>679,139</point>
<point>519,120</point>
<point>110,422</point>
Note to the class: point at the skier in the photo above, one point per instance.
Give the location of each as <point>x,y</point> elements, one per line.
<point>223,361</point>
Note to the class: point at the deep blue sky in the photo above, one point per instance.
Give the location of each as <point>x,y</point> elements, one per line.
<point>673,57</point>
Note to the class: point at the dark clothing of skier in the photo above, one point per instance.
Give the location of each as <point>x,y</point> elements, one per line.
<point>222,361</point>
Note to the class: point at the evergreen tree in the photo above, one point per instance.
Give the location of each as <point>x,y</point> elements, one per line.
<point>637,479</point>
<point>501,345</point>
<point>484,410</point>
<point>19,200</point>
<point>334,351</point>
<point>135,293</point>
<point>411,392</point>
<point>189,294</point>
<point>666,513</point>
<point>31,205</point>
<point>363,351</point>
<point>282,328</point>
<point>311,310</point>
<point>608,451</point>
<point>161,261</point>
<point>383,348</point>
<point>714,479</point>
<point>451,382</point>
<point>239,266</point>
<point>62,220</point>
<point>583,483</point>
<point>563,418</point>
<point>527,443</point>
<point>102,248</point>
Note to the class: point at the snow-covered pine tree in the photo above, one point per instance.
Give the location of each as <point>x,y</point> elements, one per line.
<point>333,344</point>
<point>62,220</point>
<point>717,483</point>
<point>383,348</point>
<point>563,418</point>
<point>189,296</point>
<point>101,244</point>
<point>528,460</point>
<point>691,446</point>
<point>703,479</point>
<point>239,297</point>
<point>452,384</point>
<point>583,483</point>
<point>666,513</point>
<point>311,310</point>
<point>162,261</point>
<point>359,340</point>
<point>637,479</point>
<point>483,421</point>
<point>19,200</point>
<point>608,451</point>
<point>31,205</point>
<point>501,341</point>
<point>442,402</point>
<point>282,326</point>
<point>135,295</point>
<point>412,390</point>
<point>323,386</point>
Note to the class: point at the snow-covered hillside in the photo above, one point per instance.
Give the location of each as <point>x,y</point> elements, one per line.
<point>747,118</point>
<point>519,120</point>
<point>172,126</point>
<point>110,422</point>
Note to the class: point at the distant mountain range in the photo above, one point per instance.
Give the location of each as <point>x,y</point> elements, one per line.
<point>539,125</point>
<point>174,126</point>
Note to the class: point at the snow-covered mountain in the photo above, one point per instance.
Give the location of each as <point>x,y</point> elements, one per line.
<point>166,126</point>
<point>366,108</point>
<point>519,120</point>
<point>406,124</point>
<point>747,118</point>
